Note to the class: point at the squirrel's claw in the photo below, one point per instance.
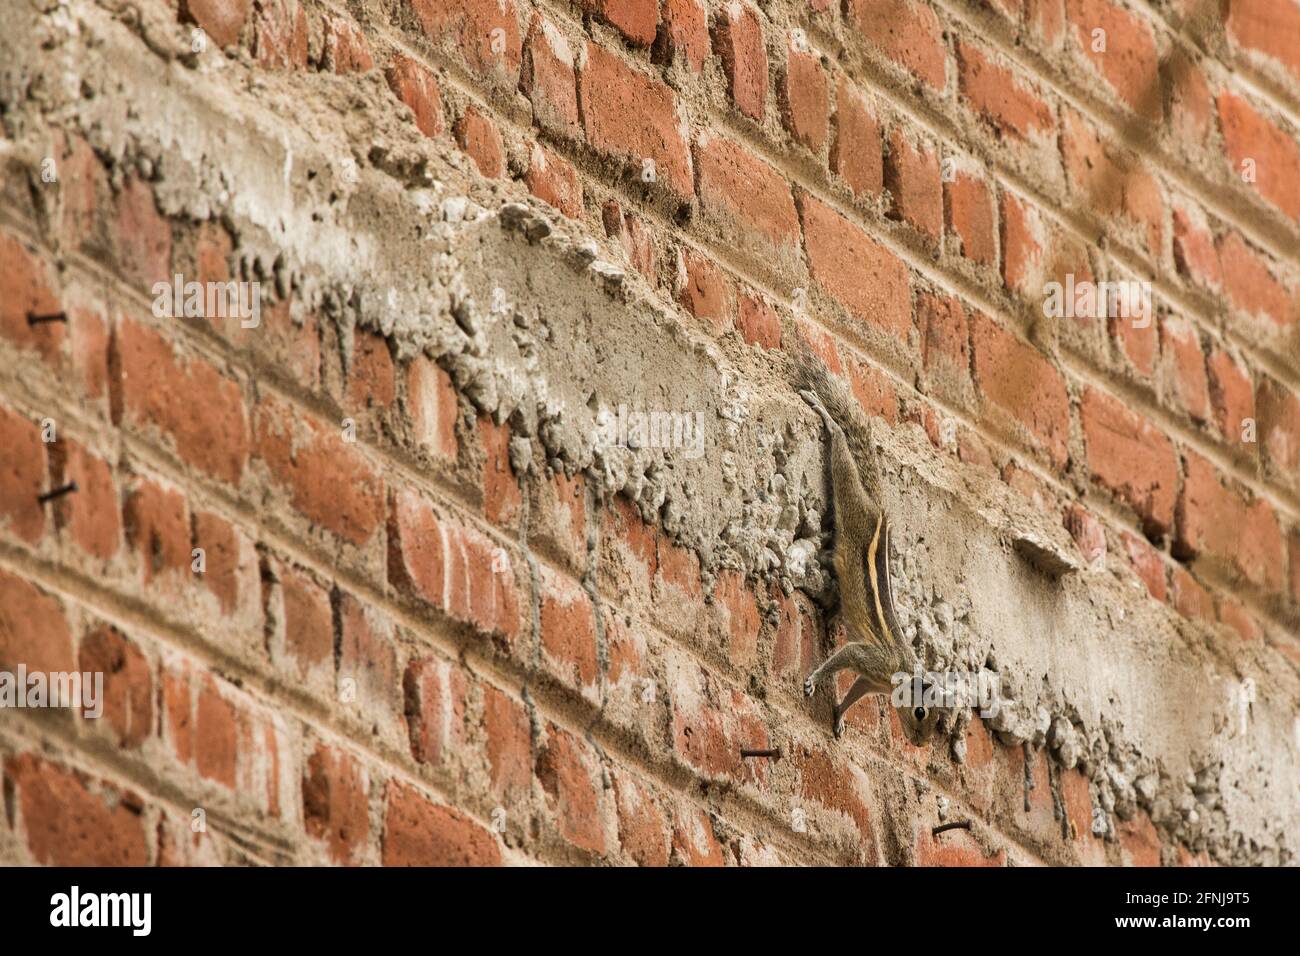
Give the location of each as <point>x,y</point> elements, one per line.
<point>809,686</point>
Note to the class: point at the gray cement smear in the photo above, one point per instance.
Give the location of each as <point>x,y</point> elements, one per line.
<point>332,195</point>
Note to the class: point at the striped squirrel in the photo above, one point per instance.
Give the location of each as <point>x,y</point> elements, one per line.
<point>877,650</point>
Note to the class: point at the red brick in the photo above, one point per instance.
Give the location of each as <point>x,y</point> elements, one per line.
<point>1046,19</point>
<point>1189,598</point>
<point>189,400</point>
<point>912,177</point>
<point>1110,184</point>
<point>1138,341</point>
<point>1270,27</point>
<point>706,293</point>
<point>346,49</point>
<point>1087,532</point>
<point>372,381</point>
<point>908,33</point>
<point>747,201</point>
<point>568,629</point>
<point>554,181</point>
<point>22,476</point>
<point>569,773</point>
<point>329,479</point>
<point>1251,284</point>
<point>635,19</point>
<point>866,278</point>
<point>84,186</point>
<point>226,573</point>
<point>1182,347</point>
<point>549,79</point>
<point>641,824</point>
<point>33,629</point>
<point>1232,394</point>
<point>1279,427</point>
<point>1005,99</point>
<point>336,803</point>
<point>71,819</point>
<point>634,117</point>
<point>485,33</point>
<point>367,656</point>
<point>308,621</point>
<point>502,497</point>
<point>805,98</point>
<point>1022,244</point>
<point>509,744</point>
<point>1234,614</point>
<point>638,238</point>
<point>694,842</point>
<point>945,336</point>
<point>280,34</point>
<point>25,289</point>
<point>838,786</point>
<point>413,84</point>
<point>1215,521</point>
<point>1248,134</point>
<point>216,735</point>
<point>685,31</point>
<point>1195,253</point>
<point>738,40</point>
<point>737,605</point>
<point>142,237</point>
<point>1191,106</point>
<point>1293,550</point>
<point>1132,458</point>
<point>758,323</point>
<point>1023,383</point>
<point>479,136</point>
<point>157,524</point>
<point>89,333</point>
<point>1147,563</point>
<point>419,832</point>
<point>454,568</point>
<point>856,150</point>
<point>434,691</point>
<point>92,515</point>
<point>1130,62</point>
<point>432,408</point>
<point>223,20</point>
<point>968,207</point>
<point>128,690</point>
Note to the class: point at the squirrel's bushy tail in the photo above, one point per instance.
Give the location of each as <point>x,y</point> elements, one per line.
<point>811,373</point>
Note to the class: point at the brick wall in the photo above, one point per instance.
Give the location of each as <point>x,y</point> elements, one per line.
<point>363,590</point>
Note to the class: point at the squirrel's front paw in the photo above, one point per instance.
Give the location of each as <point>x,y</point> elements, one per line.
<point>838,726</point>
<point>809,686</point>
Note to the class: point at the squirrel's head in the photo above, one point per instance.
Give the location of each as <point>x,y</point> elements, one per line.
<point>915,700</point>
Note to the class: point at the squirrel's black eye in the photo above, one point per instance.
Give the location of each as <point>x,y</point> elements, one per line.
<point>919,713</point>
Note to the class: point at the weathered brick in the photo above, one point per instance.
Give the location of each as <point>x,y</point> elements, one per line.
<point>1275,154</point>
<point>1124,53</point>
<point>484,33</point>
<point>968,208</point>
<point>805,97</point>
<point>747,201</point>
<point>1023,383</point>
<point>195,405</point>
<point>549,78</point>
<point>1005,99</point>
<point>738,40</point>
<point>1130,457</point>
<point>128,690</point>
<point>912,177</point>
<point>554,181</point>
<point>419,832</point>
<point>479,136</point>
<point>336,802</point>
<point>857,149</point>
<point>907,32</point>
<point>866,278</point>
<point>413,84</point>
<point>71,819</point>
<point>22,476</point>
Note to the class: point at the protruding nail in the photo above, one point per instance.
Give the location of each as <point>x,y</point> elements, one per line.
<point>67,489</point>
<point>35,319</point>
<point>775,754</point>
<point>959,825</point>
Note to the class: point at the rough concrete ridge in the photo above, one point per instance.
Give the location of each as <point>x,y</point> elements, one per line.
<point>540,686</point>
